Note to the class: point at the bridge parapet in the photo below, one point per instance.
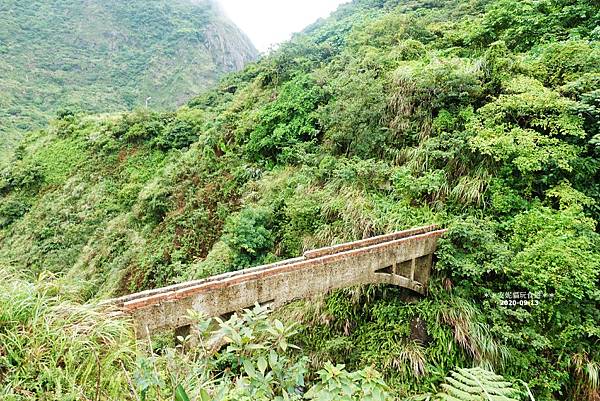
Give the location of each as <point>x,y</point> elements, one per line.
<point>403,259</point>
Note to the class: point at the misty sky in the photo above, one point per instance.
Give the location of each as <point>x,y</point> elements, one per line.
<point>269,22</point>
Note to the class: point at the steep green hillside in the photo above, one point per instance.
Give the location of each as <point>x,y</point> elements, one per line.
<point>482,116</point>
<point>109,56</point>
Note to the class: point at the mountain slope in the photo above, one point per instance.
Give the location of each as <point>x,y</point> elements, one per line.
<point>481,116</point>
<point>109,55</point>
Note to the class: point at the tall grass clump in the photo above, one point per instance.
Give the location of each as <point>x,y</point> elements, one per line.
<point>54,349</point>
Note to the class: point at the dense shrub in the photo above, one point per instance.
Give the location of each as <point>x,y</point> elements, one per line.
<point>12,209</point>
<point>181,132</point>
<point>289,119</point>
<point>248,235</point>
<point>551,257</point>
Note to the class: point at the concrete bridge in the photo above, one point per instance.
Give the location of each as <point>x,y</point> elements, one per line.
<point>402,258</point>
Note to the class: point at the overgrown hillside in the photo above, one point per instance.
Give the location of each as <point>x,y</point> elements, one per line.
<point>482,116</point>
<point>109,56</point>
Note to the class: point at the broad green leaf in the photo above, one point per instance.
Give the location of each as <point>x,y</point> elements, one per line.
<point>262,364</point>
<point>204,395</point>
<point>180,394</point>
<point>249,368</point>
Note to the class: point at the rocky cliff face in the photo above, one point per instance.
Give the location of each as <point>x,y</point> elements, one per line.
<point>107,55</point>
<point>231,49</point>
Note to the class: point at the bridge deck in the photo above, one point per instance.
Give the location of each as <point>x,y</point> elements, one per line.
<point>403,258</point>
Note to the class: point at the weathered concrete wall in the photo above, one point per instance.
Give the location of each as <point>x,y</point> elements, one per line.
<point>403,259</point>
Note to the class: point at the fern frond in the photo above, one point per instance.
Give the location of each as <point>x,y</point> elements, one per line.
<point>477,384</point>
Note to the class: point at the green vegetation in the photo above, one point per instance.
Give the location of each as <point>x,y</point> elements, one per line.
<point>476,384</point>
<point>93,357</point>
<point>482,116</point>
<point>101,56</point>
<point>55,349</point>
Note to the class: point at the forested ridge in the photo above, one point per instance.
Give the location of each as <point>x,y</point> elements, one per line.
<point>481,116</point>
<point>108,56</point>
